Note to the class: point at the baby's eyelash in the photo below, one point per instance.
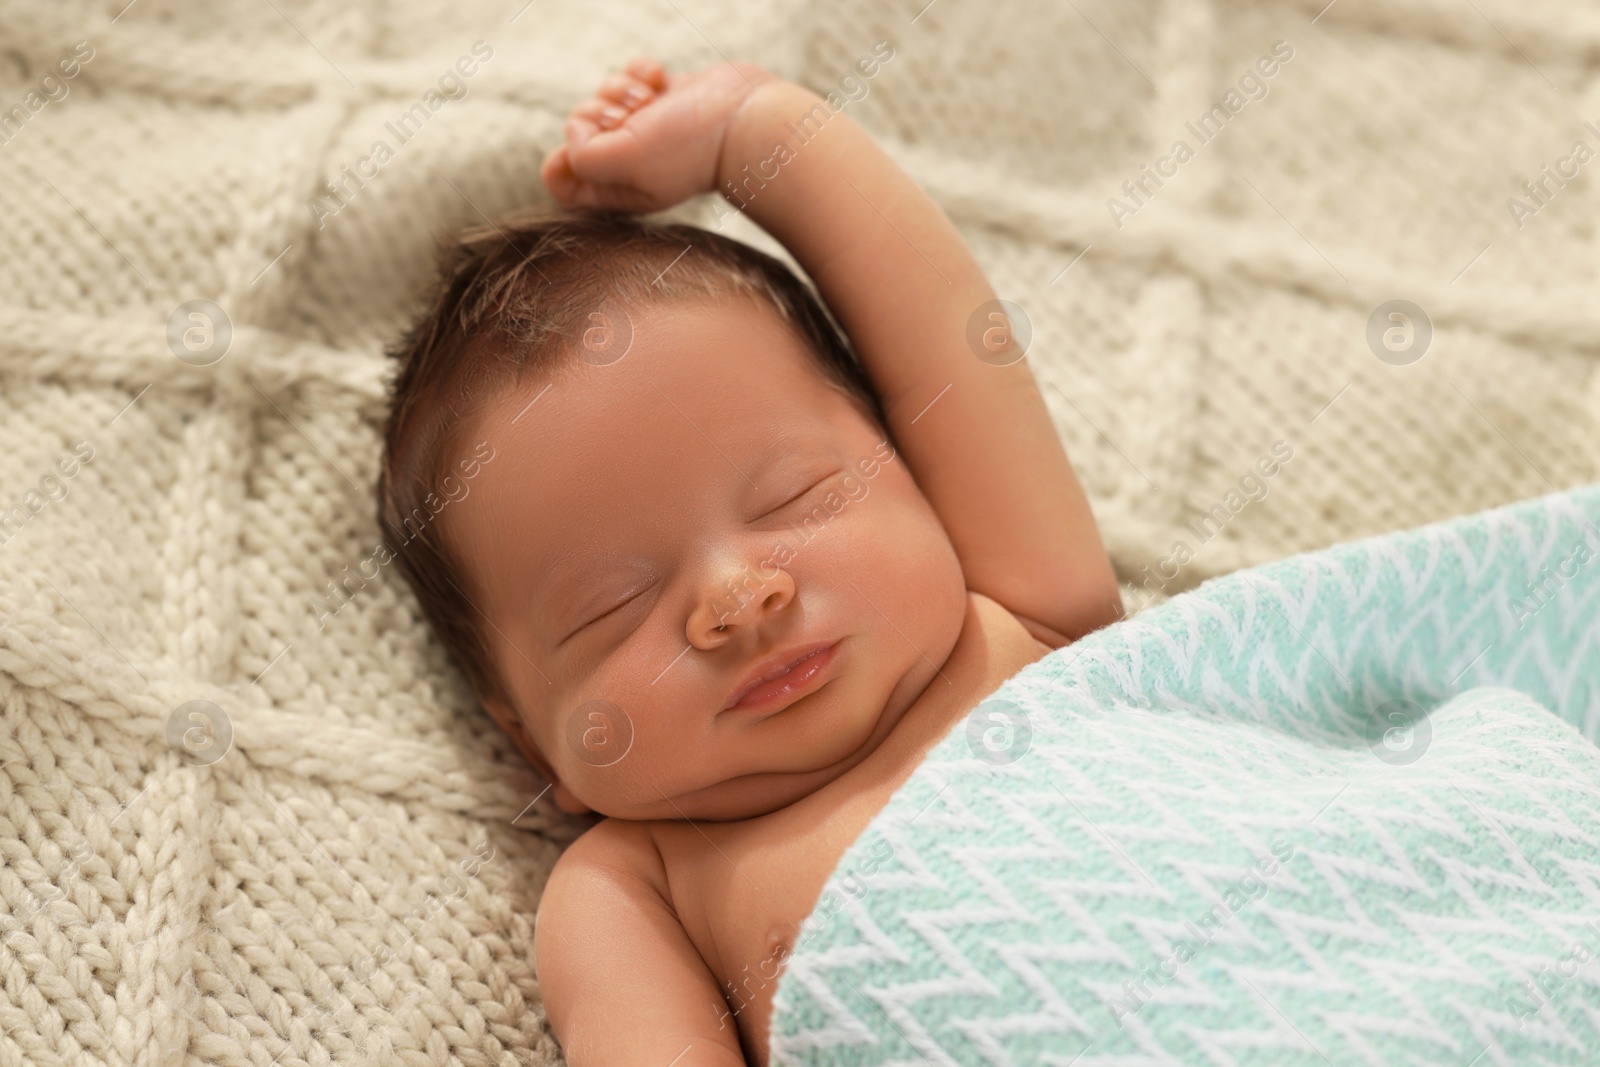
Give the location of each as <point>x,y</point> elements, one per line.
<point>608,612</point>
<point>802,493</point>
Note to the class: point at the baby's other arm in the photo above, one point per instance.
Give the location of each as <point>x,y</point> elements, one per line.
<point>977,436</point>
<point>622,983</point>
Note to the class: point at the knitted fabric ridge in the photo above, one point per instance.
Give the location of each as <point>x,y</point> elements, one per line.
<point>347,866</point>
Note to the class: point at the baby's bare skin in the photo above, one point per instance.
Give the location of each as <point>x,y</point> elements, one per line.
<point>742,889</point>
<point>601,542</point>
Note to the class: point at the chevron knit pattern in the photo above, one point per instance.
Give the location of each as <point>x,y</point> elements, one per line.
<point>1344,809</point>
<point>352,876</point>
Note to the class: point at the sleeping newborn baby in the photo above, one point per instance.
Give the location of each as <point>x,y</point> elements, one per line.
<point>721,580</point>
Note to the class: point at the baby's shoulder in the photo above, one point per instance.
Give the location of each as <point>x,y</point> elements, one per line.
<point>614,853</point>
<point>613,848</point>
<point>1005,631</point>
<point>606,940</point>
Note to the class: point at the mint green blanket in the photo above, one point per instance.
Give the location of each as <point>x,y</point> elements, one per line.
<point>1340,809</point>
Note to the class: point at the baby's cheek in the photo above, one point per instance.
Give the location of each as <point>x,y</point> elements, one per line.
<point>913,566</point>
<point>636,705</point>
<point>612,757</point>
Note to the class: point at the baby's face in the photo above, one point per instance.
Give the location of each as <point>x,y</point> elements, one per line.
<point>651,532</point>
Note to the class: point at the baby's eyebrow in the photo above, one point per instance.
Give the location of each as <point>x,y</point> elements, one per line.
<point>572,572</point>
<point>556,575</point>
<point>557,579</point>
<point>786,444</point>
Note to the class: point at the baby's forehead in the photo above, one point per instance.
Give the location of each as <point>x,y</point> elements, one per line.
<point>691,406</point>
<point>728,362</point>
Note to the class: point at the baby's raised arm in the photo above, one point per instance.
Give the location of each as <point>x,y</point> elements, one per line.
<point>975,433</point>
<point>901,281</point>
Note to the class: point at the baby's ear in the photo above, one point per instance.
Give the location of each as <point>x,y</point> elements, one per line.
<point>506,717</point>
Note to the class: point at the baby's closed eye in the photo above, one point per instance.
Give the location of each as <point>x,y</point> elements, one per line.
<point>808,484</point>
<point>616,609</point>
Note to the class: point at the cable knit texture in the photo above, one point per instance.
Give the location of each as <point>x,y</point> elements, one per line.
<point>352,875</point>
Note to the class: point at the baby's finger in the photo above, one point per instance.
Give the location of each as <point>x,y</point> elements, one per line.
<point>616,198</point>
<point>556,171</point>
<point>604,197</point>
<point>648,71</point>
<point>571,191</point>
<point>610,157</point>
<point>580,128</point>
<point>625,90</point>
<point>602,114</point>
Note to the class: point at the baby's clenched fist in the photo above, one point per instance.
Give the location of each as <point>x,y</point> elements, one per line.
<point>648,140</point>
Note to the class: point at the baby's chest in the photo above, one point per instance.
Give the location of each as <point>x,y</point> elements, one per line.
<point>743,890</point>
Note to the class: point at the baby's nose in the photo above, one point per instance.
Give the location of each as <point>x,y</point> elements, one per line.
<point>741,602</point>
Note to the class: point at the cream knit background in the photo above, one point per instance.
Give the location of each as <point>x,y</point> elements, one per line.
<point>154,912</point>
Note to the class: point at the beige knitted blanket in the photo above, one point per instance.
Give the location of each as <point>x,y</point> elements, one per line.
<point>249,815</point>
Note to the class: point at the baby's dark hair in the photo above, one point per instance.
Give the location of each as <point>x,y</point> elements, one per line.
<point>513,300</point>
